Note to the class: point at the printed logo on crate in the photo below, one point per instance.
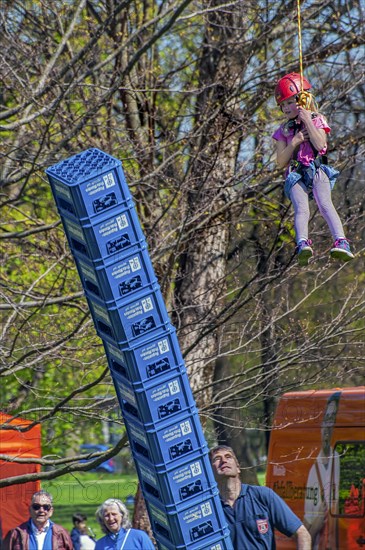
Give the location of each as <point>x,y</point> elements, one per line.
<point>191,524</point>
<point>177,484</point>
<point>161,445</point>
<point>147,361</point>
<point>130,320</point>
<point>88,184</point>
<point>143,353</point>
<point>104,238</point>
<point>150,402</point>
<point>119,280</point>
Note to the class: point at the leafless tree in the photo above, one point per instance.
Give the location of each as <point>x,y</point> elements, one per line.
<point>181,92</point>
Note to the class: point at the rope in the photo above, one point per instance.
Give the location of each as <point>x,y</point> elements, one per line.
<point>300,46</point>
<point>305,97</point>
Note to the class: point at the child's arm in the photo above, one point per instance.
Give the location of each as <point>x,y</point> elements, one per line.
<point>317,136</point>
<point>284,152</point>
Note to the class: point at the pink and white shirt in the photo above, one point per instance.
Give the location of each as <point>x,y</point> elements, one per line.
<point>305,153</point>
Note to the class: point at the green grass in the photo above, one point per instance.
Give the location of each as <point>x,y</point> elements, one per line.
<point>261,477</point>
<point>84,492</point>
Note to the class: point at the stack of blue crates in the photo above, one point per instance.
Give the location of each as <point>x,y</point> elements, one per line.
<point>143,353</point>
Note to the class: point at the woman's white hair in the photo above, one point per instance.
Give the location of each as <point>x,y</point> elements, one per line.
<point>126,524</point>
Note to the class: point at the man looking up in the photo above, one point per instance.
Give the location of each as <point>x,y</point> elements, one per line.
<point>253,512</point>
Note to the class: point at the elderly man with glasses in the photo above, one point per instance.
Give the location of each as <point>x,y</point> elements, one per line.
<point>39,532</point>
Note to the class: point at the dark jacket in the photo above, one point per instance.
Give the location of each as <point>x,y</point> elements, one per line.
<point>18,538</point>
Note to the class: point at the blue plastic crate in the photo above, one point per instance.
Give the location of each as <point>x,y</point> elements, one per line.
<point>161,445</point>
<point>177,485</point>
<point>145,361</point>
<point>143,317</point>
<point>107,239</point>
<point>121,279</point>
<point>156,402</point>
<point>216,542</point>
<point>88,184</point>
<point>203,518</point>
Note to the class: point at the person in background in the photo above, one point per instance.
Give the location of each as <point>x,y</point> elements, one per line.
<point>323,481</point>
<point>39,532</point>
<point>81,535</point>
<point>113,518</point>
<point>253,512</point>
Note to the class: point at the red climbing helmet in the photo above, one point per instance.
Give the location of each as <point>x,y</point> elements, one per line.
<point>290,85</point>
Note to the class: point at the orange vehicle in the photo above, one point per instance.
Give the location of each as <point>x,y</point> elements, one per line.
<point>316,463</point>
<point>15,443</point>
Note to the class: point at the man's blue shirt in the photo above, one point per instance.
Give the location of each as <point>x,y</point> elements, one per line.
<point>255,515</point>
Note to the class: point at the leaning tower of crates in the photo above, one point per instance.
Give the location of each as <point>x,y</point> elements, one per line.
<point>142,350</point>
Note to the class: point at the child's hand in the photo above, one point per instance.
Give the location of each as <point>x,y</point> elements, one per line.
<point>300,137</point>
<point>304,116</point>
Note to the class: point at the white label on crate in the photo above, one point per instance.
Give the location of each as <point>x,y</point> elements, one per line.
<point>172,433</point>
<point>149,352</point>
<point>163,346</point>
<point>137,433</point>
<point>96,186</point>
<point>147,304</point>
<point>196,468</point>
<point>176,431</point>
<point>138,308</point>
<point>61,189</point>
<point>158,515</point>
<point>187,472</point>
<point>147,474</point>
<point>198,512</point>
<point>135,264</point>
<point>101,312</point>
<point>183,474</point>
<point>87,271</point>
<point>206,508</point>
<point>121,270</point>
<point>109,180</point>
<point>122,221</point>
<point>216,547</point>
<point>185,427</point>
<point>74,229</point>
<point>174,387</point>
<point>165,390</point>
<point>194,514</point>
<point>113,226</point>
<point>160,393</point>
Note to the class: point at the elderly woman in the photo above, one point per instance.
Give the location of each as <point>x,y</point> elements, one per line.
<point>113,518</point>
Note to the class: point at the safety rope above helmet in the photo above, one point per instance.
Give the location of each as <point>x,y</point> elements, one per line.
<point>294,84</point>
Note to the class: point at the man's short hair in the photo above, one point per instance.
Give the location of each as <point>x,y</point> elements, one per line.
<point>220,448</point>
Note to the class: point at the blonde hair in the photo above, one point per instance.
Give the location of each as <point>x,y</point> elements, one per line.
<point>126,524</point>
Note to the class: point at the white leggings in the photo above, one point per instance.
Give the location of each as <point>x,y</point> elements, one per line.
<point>322,196</point>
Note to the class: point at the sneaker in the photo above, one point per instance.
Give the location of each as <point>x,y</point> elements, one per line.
<point>341,250</point>
<point>304,251</point>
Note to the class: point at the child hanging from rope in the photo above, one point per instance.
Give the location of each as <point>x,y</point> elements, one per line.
<point>301,145</point>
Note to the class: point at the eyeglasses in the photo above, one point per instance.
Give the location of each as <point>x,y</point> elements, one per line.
<point>46,507</point>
